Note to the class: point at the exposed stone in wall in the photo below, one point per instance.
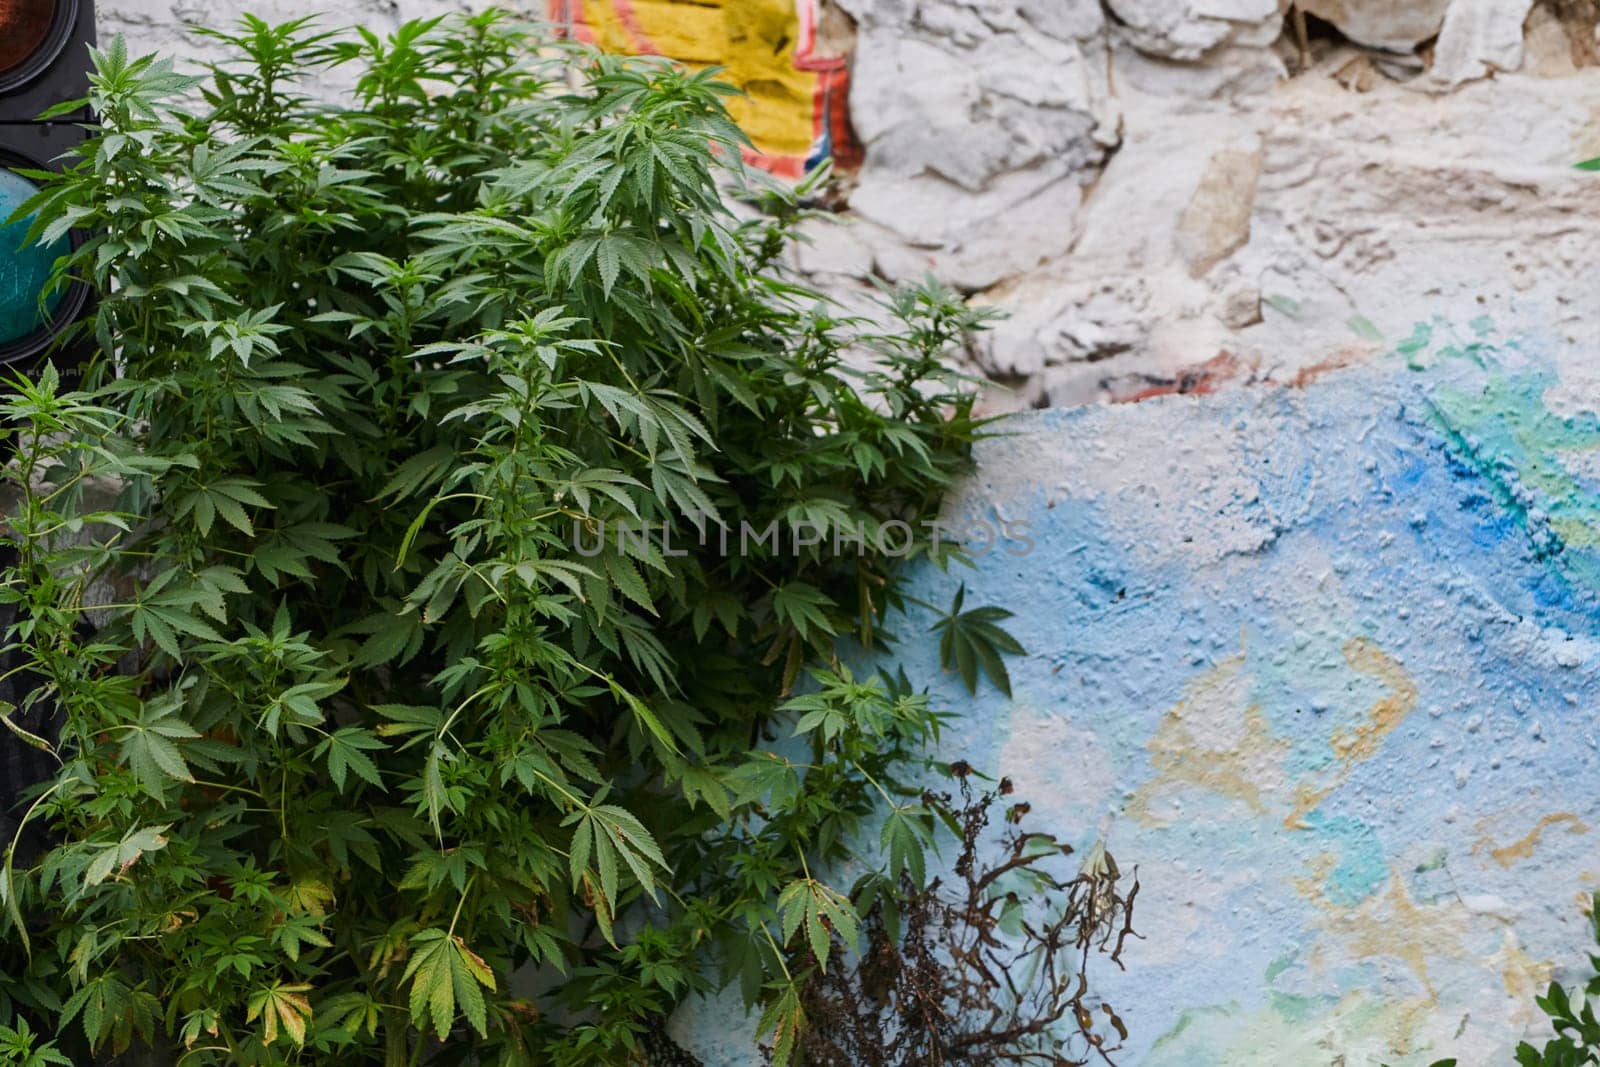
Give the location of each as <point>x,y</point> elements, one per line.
<point>1188,29</point>
<point>1478,38</point>
<point>1092,168</point>
<point>973,116</point>
<point>1432,172</point>
<point>1216,221</point>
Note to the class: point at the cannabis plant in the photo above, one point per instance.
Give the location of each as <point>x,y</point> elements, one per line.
<point>413,598</point>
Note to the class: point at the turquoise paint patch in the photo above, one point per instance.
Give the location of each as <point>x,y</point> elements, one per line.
<point>1503,432</point>
<point>1295,1009</point>
<point>24,271</point>
<point>1362,868</point>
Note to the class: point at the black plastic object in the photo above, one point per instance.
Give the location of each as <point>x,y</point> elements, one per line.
<point>44,55</point>
<point>44,61</point>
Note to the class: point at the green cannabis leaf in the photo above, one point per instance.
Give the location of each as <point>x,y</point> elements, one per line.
<point>445,974</point>
<point>1572,1015</point>
<point>973,640</point>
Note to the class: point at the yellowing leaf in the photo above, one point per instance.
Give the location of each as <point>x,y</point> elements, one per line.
<point>281,1004</point>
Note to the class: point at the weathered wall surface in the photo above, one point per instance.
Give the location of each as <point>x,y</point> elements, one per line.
<point>1166,195</point>
<point>1323,660</point>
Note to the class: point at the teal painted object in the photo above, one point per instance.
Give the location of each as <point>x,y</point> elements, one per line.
<point>23,271</point>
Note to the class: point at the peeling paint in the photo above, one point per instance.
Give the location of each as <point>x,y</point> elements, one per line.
<point>1524,846</point>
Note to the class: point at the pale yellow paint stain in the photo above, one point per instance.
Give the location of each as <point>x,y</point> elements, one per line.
<point>1523,977</point>
<point>1306,800</point>
<point>1406,1022</point>
<point>1318,868</point>
<point>1392,924</point>
<point>1575,533</point>
<point>1357,1029</point>
<point>1218,740</point>
<point>1523,847</point>
<point>1361,742</point>
<point>1210,742</point>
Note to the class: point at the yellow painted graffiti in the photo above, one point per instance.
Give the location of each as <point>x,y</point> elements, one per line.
<point>1393,925</point>
<point>1218,739</point>
<point>795,85</point>
<point>1235,771</point>
<point>1361,742</point>
<point>1523,847</point>
<point>1215,739</point>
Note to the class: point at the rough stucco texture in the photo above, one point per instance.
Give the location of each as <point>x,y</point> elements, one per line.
<point>1323,661</point>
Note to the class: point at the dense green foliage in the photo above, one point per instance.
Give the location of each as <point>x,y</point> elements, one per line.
<point>351,727</point>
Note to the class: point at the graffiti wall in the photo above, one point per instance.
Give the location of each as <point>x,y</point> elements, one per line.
<point>789,57</point>
<point>1323,660</point>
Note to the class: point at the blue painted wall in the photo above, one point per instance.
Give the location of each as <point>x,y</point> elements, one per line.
<point>1324,663</point>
